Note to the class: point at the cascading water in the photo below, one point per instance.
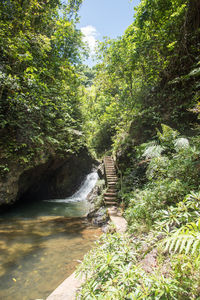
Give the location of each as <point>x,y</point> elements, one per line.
<point>82,192</point>
<point>41,241</point>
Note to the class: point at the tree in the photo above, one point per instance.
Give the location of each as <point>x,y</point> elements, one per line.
<point>150,74</point>
<point>40,49</point>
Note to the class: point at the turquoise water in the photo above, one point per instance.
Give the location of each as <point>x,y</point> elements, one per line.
<point>40,243</point>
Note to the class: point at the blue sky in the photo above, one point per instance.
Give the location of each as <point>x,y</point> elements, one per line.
<point>99,18</point>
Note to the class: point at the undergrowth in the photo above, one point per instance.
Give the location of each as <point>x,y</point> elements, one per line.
<point>159,256</point>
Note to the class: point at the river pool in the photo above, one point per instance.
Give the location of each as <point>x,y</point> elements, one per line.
<point>41,242</point>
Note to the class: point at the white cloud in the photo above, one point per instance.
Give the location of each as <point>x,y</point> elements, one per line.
<point>90,33</point>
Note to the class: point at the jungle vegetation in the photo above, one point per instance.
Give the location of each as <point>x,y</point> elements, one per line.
<point>40,51</point>
<point>143,108</point>
<point>140,103</point>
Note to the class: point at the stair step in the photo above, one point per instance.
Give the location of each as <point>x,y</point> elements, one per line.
<point>111,190</point>
<point>110,198</point>
<point>111,174</point>
<point>110,203</point>
<point>112,180</point>
<point>110,194</point>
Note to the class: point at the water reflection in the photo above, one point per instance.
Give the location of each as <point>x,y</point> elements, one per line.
<point>37,254</point>
<point>40,244</point>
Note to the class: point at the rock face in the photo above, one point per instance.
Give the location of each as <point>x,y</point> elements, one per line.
<point>95,197</point>
<point>50,178</point>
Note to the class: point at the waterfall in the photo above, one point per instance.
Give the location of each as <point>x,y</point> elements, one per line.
<point>84,190</point>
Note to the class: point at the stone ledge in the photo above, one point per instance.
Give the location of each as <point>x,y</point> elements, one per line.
<point>118,221</point>
<point>68,289</point>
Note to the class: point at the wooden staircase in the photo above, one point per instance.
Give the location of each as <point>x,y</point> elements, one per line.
<point>110,196</point>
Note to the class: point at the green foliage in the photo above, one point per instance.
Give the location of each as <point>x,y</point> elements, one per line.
<point>153,150</point>
<point>165,208</point>
<point>150,75</point>
<point>40,48</point>
<point>144,204</point>
<point>113,271</point>
<point>186,239</point>
<point>87,75</point>
<point>162,215</point>
<point>148,81</point>
<point>168,136</point>
<point>172,172</point>
<point>181,143</point>
<point>184,212</point>
<point>100,118</point>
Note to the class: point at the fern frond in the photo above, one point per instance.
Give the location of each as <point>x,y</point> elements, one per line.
<point>173,242</point>
<point>153,151</point>
<point>186,239</point>
<point>194,247</point>
<point>189,244</point>
<point>183,242</point>
<point>177,245</point>
<point>181,143</point>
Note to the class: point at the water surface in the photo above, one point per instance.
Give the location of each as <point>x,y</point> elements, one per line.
<point>40,243</point>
